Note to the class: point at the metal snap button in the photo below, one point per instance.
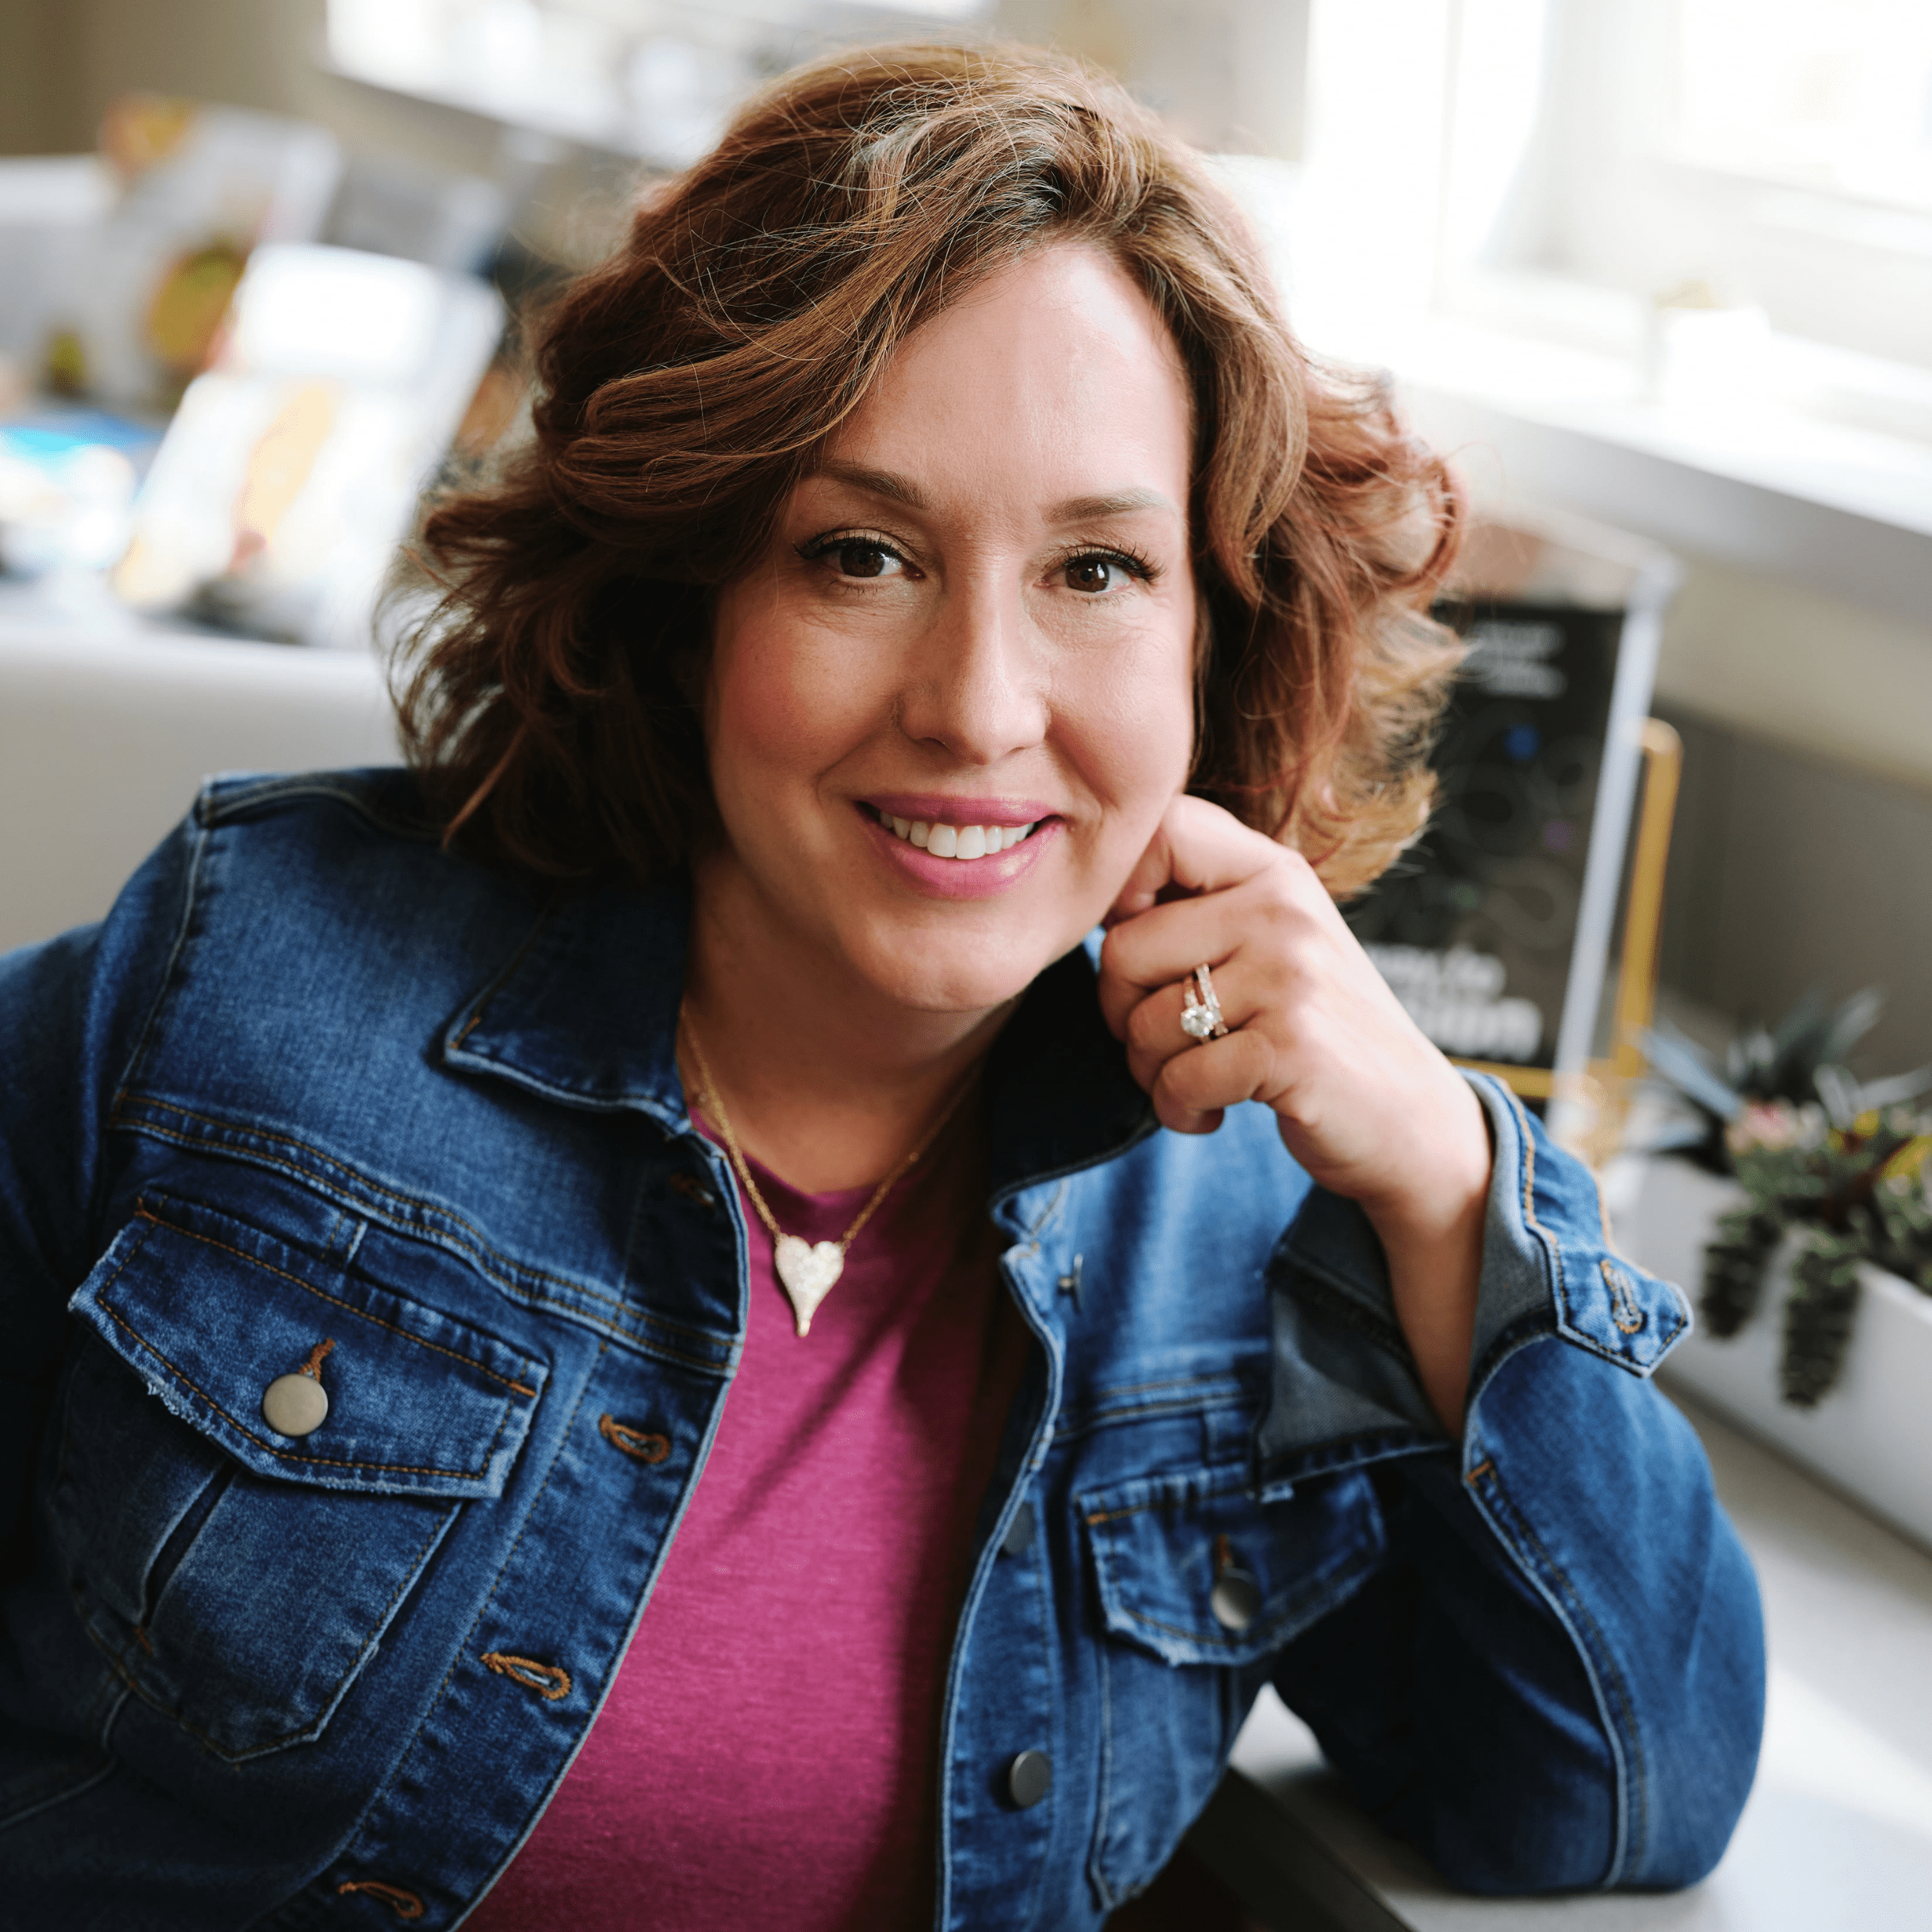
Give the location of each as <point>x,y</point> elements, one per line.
<point>295,1405</point>
<point>1236,1599</point>
<point>1029,1777</point>
<point>1019,1536</point>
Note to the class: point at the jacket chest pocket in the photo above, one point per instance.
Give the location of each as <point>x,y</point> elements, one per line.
<point>257,1458</point>
<point>1200,1585</point>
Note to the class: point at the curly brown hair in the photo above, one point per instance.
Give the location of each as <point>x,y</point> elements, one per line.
<point>550,703</point>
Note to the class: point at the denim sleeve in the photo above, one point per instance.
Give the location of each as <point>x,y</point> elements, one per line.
<point>1557,1679</point>
<point>71,1012</point>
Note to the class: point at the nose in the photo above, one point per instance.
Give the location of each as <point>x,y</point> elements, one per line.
<point>975,683</point>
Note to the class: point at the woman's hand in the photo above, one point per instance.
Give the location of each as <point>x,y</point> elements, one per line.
<point>1364,1101</point>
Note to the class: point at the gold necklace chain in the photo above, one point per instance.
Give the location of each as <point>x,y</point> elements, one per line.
<point>807,1270</point>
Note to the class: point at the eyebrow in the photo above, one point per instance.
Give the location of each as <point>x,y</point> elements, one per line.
<point>1116,503</point>
<point>899,489</point>
<point>875,483</point>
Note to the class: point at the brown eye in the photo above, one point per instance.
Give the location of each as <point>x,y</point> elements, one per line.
<point>863,560</point>
<point>1094,573</point>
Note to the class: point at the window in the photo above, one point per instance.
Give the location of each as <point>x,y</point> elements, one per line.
<point>1835,97</point>
<point>1772,152</point>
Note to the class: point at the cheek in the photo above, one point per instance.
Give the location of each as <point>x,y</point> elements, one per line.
<point>777,711</point>
<point>1132,722</point>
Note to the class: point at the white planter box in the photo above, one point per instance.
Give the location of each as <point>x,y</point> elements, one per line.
<point>1872,1434</point>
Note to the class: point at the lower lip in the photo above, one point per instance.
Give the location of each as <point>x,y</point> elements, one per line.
<point>962,878</point>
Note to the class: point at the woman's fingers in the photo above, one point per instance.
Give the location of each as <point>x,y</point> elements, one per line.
<point>1281,911</point>
<point>1197,847</point>
<point>1193,1089</point>
<point>1153,1034</point>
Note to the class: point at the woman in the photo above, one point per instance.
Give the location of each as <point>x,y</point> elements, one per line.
<point>931,550</point>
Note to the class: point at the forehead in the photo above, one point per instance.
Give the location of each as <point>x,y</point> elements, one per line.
<point>1055,370</point>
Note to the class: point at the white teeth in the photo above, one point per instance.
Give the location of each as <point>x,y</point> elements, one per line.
<point>958,841</point>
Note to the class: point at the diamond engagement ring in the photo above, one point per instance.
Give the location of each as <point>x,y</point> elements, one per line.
<point>1200,1011</point>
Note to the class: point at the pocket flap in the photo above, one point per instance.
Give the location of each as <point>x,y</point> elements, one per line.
<point>209,1313</point>
<point>1196,1569</point>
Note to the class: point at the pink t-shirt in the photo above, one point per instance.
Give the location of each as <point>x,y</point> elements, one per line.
<point>769,1755</point>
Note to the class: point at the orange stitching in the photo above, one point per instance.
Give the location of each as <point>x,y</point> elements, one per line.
<point>570,1429</point>
<point>512,1276</point>
<point>141,1637</point>
<point>1626,1310</point>
<point>1603,1217</point>
<point>172,1712</point>
<point>405,1904</point>
<point>644,1445</point>
<point>1482,1468</point>
<point>335,1301</point>
<point>549,1681</point>
<point>469,1026</point>
<point>511,1281</point>
<point>1156,1503</point>
<point>317,1356</point>
<point>325,1462</point>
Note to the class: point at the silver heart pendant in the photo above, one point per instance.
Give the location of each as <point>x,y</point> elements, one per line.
<point>808,1271</point>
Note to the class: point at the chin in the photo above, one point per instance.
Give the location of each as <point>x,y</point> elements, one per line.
<point>958,971</point>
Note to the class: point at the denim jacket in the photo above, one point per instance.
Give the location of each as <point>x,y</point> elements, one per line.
<point>315,1080</point>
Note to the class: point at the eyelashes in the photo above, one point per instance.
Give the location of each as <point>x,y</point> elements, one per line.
<point>860,542</point>
<point>875,544</point>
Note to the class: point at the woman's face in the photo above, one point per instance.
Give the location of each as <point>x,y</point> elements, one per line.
<point>974,626</point>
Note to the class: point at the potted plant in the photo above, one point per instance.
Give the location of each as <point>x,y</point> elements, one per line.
<point>1795,1202</point>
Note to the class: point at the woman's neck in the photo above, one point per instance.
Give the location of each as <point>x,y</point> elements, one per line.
<point>829,1083</point>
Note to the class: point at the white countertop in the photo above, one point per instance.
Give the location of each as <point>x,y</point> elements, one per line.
<point>1836,1836</point>
<point>108,725</point>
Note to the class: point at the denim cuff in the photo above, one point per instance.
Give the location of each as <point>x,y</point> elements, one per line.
<point>1345,1390</point>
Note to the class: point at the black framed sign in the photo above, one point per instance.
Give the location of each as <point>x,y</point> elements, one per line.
<point>1495,928</point>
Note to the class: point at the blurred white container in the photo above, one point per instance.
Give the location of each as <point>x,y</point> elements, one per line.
<point>1872,1434</point>
<point>50,208</point>
<point>1706,353</point>
<point>202,186</point>
<point>293,466</point>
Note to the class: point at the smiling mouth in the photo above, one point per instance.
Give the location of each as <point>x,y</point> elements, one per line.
<point>953,842</point>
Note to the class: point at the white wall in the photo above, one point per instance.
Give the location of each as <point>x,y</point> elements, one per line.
<point>1816,674</point>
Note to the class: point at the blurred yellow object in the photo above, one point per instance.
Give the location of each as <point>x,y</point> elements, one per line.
<point>140,129</point>
<point>187,310</point>
<point>1908,1160</point>
<point>1532,1082</point>
<point>279,466</point>
<point>64,367</point>
<point>1636,977</point>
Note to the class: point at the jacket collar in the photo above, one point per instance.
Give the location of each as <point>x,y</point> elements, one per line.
<point>585,1012</point>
